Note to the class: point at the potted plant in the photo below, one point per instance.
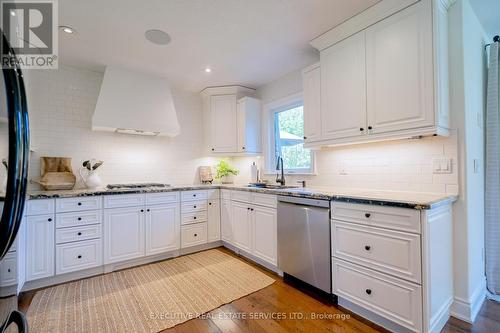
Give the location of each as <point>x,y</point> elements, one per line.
<point>225,172</point>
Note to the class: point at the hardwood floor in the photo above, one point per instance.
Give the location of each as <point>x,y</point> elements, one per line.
<point>281,308</point>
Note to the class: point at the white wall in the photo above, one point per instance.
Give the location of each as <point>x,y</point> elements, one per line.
<point>403,165</point>
<point>467,84</point>
<point>61,106</point>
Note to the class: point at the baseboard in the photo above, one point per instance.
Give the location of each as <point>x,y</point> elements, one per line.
<point>467,310</point>
<point>439,320</point>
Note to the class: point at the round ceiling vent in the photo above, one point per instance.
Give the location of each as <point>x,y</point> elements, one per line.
<point>157,37</point>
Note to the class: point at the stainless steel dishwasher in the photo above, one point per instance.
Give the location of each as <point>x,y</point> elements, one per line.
<point>304,241</point>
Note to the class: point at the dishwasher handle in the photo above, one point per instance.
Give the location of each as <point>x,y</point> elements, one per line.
<point>305,201</point>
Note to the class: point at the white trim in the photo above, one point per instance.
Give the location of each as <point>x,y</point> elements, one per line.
<point>269,110</point>
<point>467,310</point>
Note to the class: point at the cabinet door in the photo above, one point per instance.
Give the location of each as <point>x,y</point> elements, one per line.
<point>162,228</point>
<point>312,104</point>
<point>265,236</point>
<point>241,225</point>
<point>40,250</point>
<point>123,234</point>
<point>223,131</point>
<point>226,218</point>
<point>214,220</point>
<point>248,118</point>
<point>400,71</point>
<point>343,89</point>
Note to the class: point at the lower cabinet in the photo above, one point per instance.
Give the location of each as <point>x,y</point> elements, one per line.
<point>77,256</point>
<point>241,223</point>
<point>214,220</point>
<point>264,226</point>
<point>193,234</point>
<point>124,234</point>
<point>225,221</point>
<point>162,228</point>
<point>40,246</point>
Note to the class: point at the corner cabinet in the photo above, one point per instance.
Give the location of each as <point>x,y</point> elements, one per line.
<point>384,75</point>
<point>232,120</point>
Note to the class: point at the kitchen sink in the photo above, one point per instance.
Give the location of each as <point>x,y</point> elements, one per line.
<point>272,186</point>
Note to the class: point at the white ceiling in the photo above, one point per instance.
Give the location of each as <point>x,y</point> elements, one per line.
<point>247,42</point>
<point>488,13</point>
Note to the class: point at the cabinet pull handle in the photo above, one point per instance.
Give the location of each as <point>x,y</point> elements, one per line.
<point>213,149</point>
<point>142,210</point>
<point>79,256</point>
<point>79,204</point>
<point>148,210</point>
<point>368,291</point>
<point>194,206</point>
<point>210,204</point>
<point>8,270</point>
<point>367,247</point>
<point>194,195</point>
<point>305,137</point>
<point>195,235</point>
<point>50,220</point>
<point>251,209</point>
<point>79,234</point>
<point>243,148</point>
<point>361,129</point>
<point>369,127</point>
<point>194,218</point>
<point>79,219</point>
<point>367,215</point>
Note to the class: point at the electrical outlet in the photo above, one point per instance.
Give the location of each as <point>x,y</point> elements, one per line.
<point>441,165</point>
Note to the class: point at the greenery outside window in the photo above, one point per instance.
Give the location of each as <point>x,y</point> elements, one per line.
<point>287,139</point>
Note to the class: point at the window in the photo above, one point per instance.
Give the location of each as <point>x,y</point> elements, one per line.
<point>287,138</point>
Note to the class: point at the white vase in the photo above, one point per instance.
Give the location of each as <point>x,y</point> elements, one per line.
<point>91,179</point>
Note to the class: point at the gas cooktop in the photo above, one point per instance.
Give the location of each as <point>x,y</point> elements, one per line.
<point>135,185</point>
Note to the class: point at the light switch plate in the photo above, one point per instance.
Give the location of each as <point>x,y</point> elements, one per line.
<point>442,165</point>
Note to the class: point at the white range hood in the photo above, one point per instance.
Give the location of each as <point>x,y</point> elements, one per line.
<point>135,103</point>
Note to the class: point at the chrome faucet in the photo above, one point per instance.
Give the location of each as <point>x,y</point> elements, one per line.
<point>279,167</point>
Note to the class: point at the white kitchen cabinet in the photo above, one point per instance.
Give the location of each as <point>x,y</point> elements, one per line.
<point>224,133</point>
<point>162,228</point>
<point>232,120</point>
<point>343,89</point>
<point>264,232</point>
<point>124,234</point>
<point>399,62</point>
<point>311,81</point>
<point>248,126</point>
<point>40,246</point>
<point>384,75</point>
<point>214,220</point>
<point>226,221</point>
<point>242,224</point>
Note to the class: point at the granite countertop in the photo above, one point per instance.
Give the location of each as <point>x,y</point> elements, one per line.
<point>384,198</point>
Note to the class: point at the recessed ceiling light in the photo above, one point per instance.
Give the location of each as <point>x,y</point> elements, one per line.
<point>208,70</point>
<point>67,29</point>
<point>157,37</point>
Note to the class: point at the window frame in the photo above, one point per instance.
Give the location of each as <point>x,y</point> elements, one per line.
<point>270,109</point>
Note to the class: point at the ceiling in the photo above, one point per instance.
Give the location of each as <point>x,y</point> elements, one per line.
<point>247,42</point>
<point>488,13</point>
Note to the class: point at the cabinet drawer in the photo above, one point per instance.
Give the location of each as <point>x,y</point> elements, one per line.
<point>40,207</point>
<point>8,270</point>
<point>78,204</point>
<point>79,218</point>
<point>162,198</point>
<point>194,195</point>
<point>194,234</point>
<point>378,216</point>
<point>124,200</point>
<point>225,194</point>
<point>193,206</point>
<point>74,234</point>
<point>267,200</point>
<point>77,256</point>
<point>394,299</point>
<point>241,196</point>
<point>194,217</point>
<point>392,252</point>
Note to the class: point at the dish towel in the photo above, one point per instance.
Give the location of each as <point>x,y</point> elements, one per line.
<point>492,194</point>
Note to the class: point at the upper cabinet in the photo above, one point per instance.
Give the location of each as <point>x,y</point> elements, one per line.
<point>383,75</point>
<point>311,78</point>
<point>232,118</point>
